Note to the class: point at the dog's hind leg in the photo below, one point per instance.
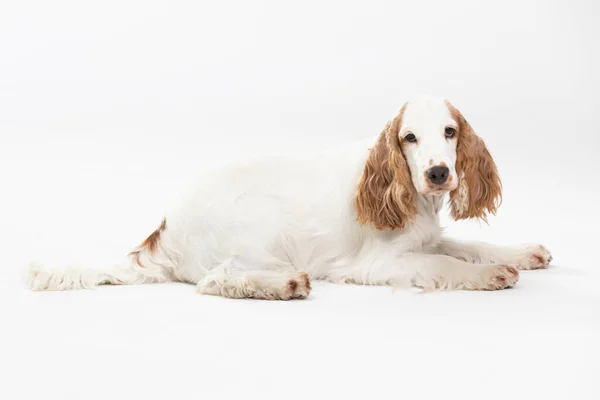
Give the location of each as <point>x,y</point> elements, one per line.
<point>267,284</point>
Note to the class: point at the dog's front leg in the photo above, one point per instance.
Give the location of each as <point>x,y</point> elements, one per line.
<point>524,256</point>
<point>427,271</point>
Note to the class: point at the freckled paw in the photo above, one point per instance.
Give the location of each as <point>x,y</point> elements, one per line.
<point>535,257</point>
<point>298,287</point>
<point>500,277</point>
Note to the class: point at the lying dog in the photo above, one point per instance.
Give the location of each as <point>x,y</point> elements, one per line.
<point>364,214</point>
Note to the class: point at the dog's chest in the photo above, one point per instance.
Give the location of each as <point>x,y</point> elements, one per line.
<point>426,228</point>
<point>426,232</point>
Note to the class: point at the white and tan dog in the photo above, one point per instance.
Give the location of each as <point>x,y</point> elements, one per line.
<point>364,214</point>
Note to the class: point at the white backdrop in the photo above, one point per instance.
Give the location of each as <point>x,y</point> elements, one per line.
<point>108,108</point>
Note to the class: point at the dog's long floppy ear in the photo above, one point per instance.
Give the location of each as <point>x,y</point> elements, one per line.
<point>385,195</point>
<point>479,189</point>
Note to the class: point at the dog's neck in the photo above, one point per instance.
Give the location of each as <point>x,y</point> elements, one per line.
<point>430,204</point>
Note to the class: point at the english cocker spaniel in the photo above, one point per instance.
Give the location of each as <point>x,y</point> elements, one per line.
<point>363,214</point>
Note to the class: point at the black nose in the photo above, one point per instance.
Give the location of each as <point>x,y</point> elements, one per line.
<point>438,175</point>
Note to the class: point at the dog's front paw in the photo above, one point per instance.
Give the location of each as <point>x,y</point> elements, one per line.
<point>532,256</point>
<point>497,277</point>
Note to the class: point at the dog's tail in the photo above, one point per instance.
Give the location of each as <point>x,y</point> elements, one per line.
<point>152,261</point>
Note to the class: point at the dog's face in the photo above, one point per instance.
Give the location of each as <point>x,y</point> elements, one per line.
<point>428,136</point>
<point>429,148</point>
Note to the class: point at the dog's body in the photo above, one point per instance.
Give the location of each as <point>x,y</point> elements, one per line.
<point>365,214</point>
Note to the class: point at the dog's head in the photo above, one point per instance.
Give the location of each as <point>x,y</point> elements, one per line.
<point>429,148</point>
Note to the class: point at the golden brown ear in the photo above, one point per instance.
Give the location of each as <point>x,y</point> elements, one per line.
<point>479,189</point>
<point>385,196</point>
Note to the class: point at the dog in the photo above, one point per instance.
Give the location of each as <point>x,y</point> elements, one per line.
<point>366,213</point>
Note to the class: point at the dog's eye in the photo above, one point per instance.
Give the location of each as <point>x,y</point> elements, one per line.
<point>450,132</point>
<point>410,138</point>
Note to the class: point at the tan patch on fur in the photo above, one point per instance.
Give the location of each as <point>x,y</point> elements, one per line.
<point>385,193</point>
<point>431,161</point>
<point>480,189</point>
<point>150,243</point>
<point>307,281</point>
<point>443,164</point>
<point>292,285</point>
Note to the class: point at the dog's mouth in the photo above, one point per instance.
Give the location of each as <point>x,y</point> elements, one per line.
<point>438,190</point>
